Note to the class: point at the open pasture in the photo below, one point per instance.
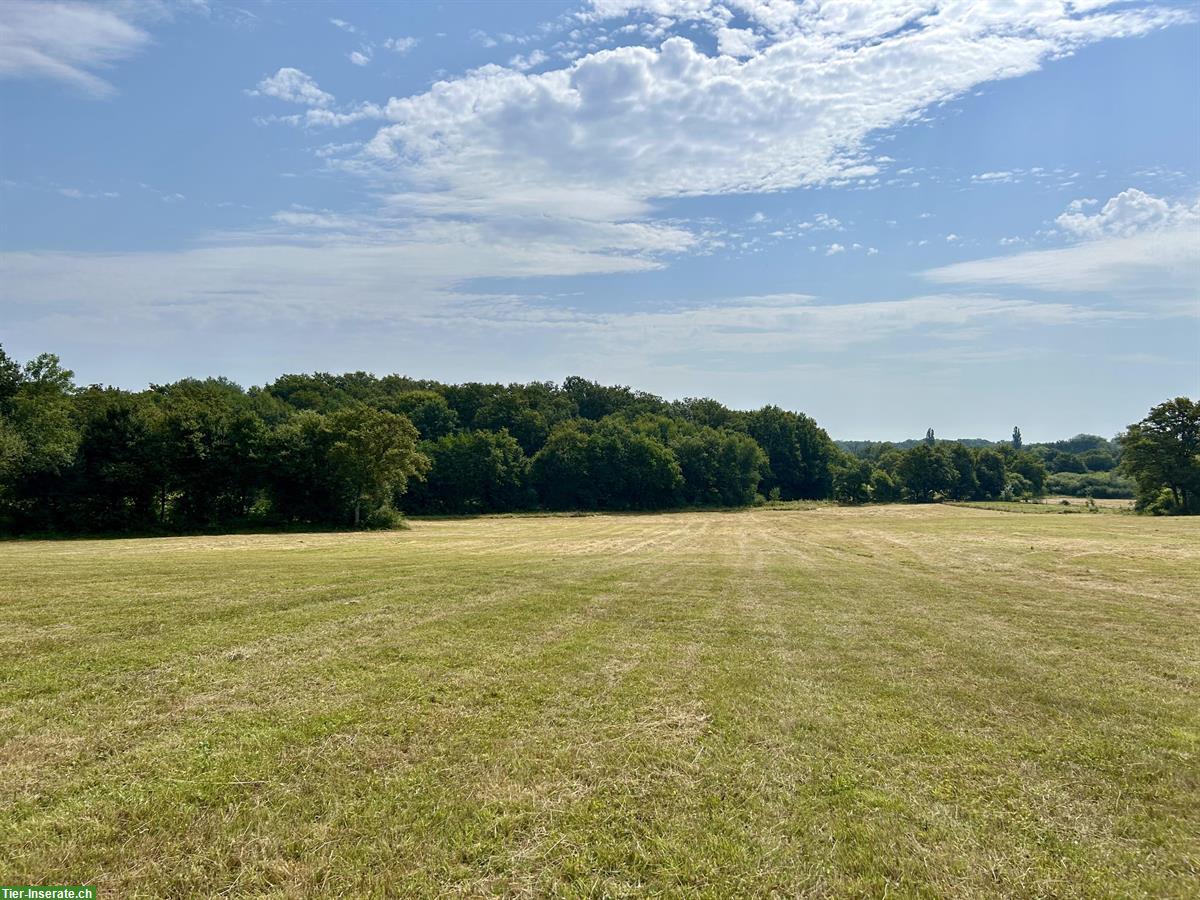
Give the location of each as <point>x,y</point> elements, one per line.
<point>910,701</point>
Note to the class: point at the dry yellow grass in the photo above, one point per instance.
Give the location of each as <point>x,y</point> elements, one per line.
<point>916,701</point>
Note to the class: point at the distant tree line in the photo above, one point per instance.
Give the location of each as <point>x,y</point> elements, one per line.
<point>359,450</point>
<point>1086,465</point>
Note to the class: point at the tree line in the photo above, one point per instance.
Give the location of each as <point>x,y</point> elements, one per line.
<point>359,450</point>
<point>1086,465</point>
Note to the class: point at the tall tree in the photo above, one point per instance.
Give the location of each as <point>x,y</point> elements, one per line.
<point>800,453</point>
<point>719,467</point>
<point>38,438</point>
<point>1016,438</point>
<point>1162,453</point>
<point>989,474</point>
<point>374,454</point>
<point>925,472</point>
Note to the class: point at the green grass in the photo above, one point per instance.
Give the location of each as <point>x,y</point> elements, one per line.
<point>904,701</point>
<point>1050,505</point>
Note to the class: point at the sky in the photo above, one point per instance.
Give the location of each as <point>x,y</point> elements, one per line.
<point>889,214</point>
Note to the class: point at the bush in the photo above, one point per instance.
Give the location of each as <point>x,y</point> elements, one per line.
<point>1104,485</point>
<point>383,518</point>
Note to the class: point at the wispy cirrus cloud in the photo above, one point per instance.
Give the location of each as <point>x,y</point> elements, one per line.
<point>1135,244</point>
<point>66,42</point>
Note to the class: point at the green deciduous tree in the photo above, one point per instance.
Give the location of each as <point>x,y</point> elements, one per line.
<point>719,467</point>
<point>852,481</point>
<point>1162,454</point>
<point>373,454</point>
<point>477,471</point>
<point>989,474</point>
<point>925,473</point>
<point>800,453</point>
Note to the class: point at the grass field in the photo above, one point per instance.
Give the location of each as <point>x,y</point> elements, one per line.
<point>901,701</point>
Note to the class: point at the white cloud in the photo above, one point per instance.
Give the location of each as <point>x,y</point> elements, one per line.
<point>1155,265</point>
<point>1128,213</point>
<point>76,194</point>
<point>952,238</point>
<point>293,86</point>
<point>601,139</point>
<point>833,249</point>
<point>360,57</point>
<point>65,42</point>
<point>401,44</point>
<point>300,218</point>
<point>738,42</point>
<point>531,61</point>
<point>1136,244</point>
<point>344,25</point>
<point>673,121</point>
<point>780,323</point>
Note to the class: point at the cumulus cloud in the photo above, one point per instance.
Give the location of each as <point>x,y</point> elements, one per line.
<point>673,121</point>
<point>1128,213</point>
<point>65,42</point>
<point>293,86</point>
<point>738,42</point>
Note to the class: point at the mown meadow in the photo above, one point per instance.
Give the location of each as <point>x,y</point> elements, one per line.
<point>927,701</point>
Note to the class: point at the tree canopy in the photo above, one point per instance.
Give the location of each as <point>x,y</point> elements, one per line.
<point>356,449</point>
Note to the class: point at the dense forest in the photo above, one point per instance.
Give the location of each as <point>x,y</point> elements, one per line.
<point>359,450</point>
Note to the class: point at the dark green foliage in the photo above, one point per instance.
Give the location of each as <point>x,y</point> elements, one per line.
<point>703,411</point>
<point>118,474</point>
<point>1098,460</point>
<point>476,471</point>
<point>1029,467</point>
<point>606,465</point>
<point>1101,485</point>
<point>560,471</point>
<point>38,439</point>
<point>925,473</point>
<point>509,410</point>
<point>965,483</point>
<point>1017,443</point>
<point>989,474</point>
<point>300,482</point>
<point>719,468</point>
<point>1162,454</point>
<point>800,453</point>
<point>326,449</point>
<point>427,410</point>
<point>212,450</point>
<point>852,482</point>
<point>372,456</point>
<point>883,487</point>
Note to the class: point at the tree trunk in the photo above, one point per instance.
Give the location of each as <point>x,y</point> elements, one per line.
<point>357,507</point>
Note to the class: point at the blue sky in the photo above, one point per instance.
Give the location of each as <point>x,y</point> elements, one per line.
<point>892,215</point>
